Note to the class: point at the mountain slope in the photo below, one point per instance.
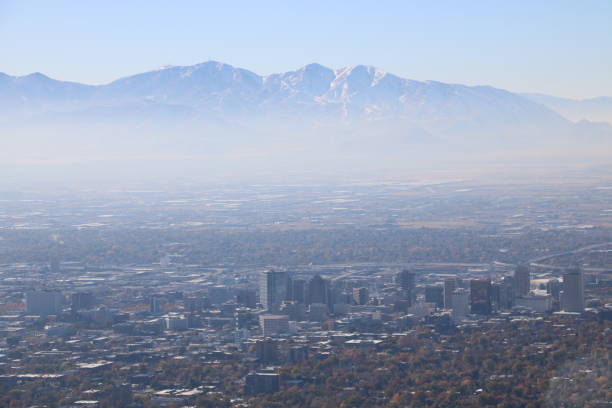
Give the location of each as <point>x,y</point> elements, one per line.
<point>360,92</point>
<point>361,109</point>
<point>593,109</point>
<point>36,93</point>
<point>213,119</point>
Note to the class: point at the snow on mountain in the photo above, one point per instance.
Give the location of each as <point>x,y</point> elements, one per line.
<point>37,93</point>
<point>208,86</point>
<point>214,90</point>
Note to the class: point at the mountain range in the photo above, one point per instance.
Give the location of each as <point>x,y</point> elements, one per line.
<point>213,89</point>
<point>216,109</point>
<point>591,109</point>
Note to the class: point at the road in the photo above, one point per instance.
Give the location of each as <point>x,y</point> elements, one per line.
<point>573,251</point>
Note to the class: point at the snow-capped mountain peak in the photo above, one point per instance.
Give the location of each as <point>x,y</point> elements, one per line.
<point>312,92</point>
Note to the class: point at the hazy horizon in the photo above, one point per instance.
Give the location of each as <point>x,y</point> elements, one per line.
<point>263,113</point>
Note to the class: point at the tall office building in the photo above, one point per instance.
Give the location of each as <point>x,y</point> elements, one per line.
<point>506,293</point>
<point>296,311</point>
<point>261,383</point>
<point>157,302</point>
<point>273,289</point>
<point>297,353</point>
<point>298,291</point>
<point>339,299</point>
<point>480,296</point>
<point>537,303</point>
<point>406,281</point>
<point>553,288</point>
<point>495,296</point>
<point>195,304</point>
<point>266,351</point>
<point>317,290</point>
<point>360,296</point>
<point>435,294</point>
<point>317,312</point>
<point>522,282</point>
<point>246,297</point>
<point>82,300</point>
<point>461,304</point>
<point>273,325</point>
<point>44,302</point>
<point>450,284</point>
<point>572,297</point>
<point>219,294</point>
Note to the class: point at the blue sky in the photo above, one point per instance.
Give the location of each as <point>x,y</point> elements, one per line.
<point>558,47</point>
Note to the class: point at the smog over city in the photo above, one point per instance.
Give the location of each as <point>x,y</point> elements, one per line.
<point>304,204</point>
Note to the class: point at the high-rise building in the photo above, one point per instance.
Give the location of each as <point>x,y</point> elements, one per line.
<point>157,302</point>
<point>340,298</point>
<point>506,298</point>
<point>537,303</point>
<point>317,312</point>
<point>195,304</point>
<point>298,291</point>
<point>261,383</point>
<point>44,302</point>
<point>572,297</point>
<point>480,296</point>
<point>296,311</point>
<point>176,322</point>
<point>553,288</point>
<point>461,304</point>
<point>360,296</point>
<point>450,284</point>
<point>317,290</point>
<point>435,294</point>
<point>246,297</point>
<point>522,282</point>
<point>297,354</point>
<point>495,295</point>
<point>219,294</point>
<point>273,325</point>
<point>273,289</point>
<point>406,281</point>
<point>82,300</point>
<point>266,351</point>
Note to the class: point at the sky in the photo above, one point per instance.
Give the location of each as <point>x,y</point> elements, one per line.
<point>556,47</point>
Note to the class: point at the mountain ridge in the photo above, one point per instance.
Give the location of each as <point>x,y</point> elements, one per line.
<point>598,109</point>
<point>314,94</point>
<point>360,76</point>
